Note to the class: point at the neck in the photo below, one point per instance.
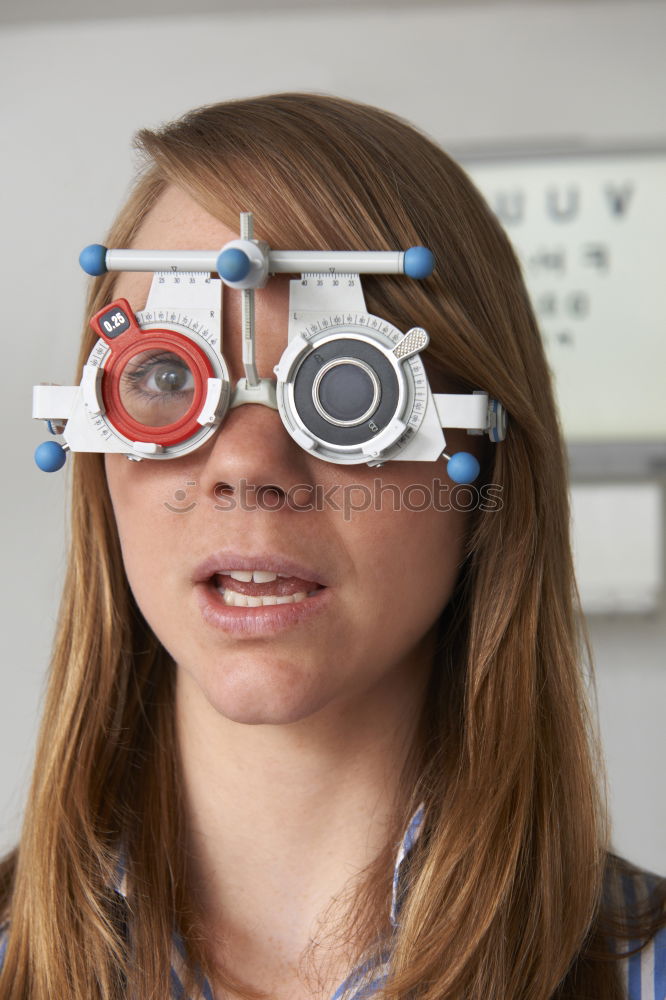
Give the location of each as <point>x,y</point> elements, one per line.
<point>281,817</point>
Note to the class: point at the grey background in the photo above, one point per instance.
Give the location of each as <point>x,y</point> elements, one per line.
<point>74,90</point>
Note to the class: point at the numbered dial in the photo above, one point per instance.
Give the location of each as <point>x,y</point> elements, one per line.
<point>347,392</point>
<point>155,378</point>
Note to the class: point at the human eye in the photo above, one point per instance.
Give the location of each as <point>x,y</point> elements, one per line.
<point>156,387</point>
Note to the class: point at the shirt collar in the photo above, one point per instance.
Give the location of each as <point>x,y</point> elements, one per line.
<point>411,835</point>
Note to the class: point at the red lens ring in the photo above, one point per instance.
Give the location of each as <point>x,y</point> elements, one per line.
<point>116,413</point>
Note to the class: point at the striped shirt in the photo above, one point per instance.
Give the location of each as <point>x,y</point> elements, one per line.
<point>644,974</point>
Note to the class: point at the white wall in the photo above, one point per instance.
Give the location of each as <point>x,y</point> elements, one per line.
<point>74,93</point>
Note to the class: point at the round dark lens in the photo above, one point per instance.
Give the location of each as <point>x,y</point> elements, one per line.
<point>346,392</point>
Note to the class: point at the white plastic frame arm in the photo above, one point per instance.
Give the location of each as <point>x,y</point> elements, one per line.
<point>53,402</point>
<point>467,410</point>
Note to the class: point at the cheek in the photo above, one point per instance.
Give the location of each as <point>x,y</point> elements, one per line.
<point>145,528</point>
<point>407,563</point>
<point>412,555</point>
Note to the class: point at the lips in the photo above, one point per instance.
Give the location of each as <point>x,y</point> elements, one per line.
<point>220,563</point>
<point>262,620</point>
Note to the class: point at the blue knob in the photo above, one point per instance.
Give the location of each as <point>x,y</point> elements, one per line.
<point>233,264</point>
<point>419,262</point>
<point>50,456</point>
<point>93,259</point>
<point>463,467</point>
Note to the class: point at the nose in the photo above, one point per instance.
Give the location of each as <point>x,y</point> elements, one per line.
<point>253,451</point>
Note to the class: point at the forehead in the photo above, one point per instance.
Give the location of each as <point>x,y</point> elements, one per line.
<point>177,222</point>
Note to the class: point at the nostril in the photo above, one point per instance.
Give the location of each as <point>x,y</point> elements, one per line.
<point>269,490</point>
<point>222,489</point>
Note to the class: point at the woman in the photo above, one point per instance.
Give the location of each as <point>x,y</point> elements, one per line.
<point>219,814</point>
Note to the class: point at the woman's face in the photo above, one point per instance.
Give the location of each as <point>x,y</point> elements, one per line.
<point>388,572</point>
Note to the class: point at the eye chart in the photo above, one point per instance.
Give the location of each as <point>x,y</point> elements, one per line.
<point>589,229</point>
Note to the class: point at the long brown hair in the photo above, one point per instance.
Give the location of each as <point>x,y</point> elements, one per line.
<point>506,880</point>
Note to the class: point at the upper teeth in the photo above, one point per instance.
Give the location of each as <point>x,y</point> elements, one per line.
<point>252,575</point>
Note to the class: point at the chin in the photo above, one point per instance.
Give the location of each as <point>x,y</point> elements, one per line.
<point>255,695</point>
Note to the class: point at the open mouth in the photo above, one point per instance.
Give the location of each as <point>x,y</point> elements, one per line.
<point>249,594</point>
